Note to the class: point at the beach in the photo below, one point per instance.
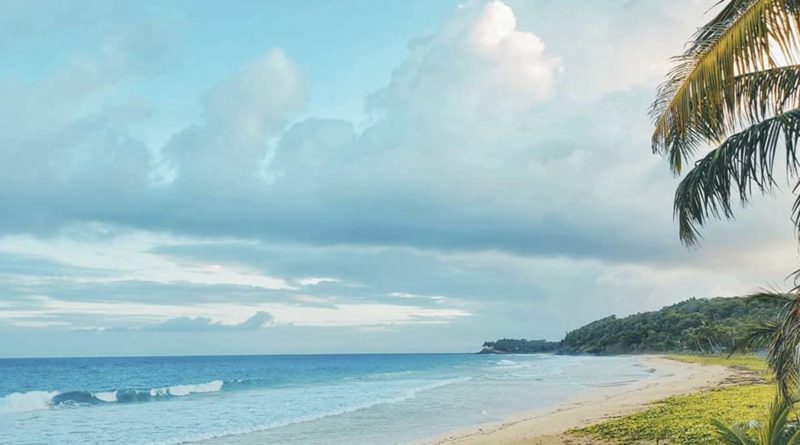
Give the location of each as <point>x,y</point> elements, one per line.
<point>603,399</point>
<point>373,399</point>
<point>550,426</point>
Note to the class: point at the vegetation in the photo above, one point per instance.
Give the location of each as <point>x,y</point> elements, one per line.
<point>695,325</point>
<point>737,361</point>
<point>780,338</point>
<point>690,419</point>
<point>511,346</point>
<point>778,429</point>
<point>736,88</point>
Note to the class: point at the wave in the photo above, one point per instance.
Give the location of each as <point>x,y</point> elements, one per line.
<point>510,364</point>
<point>39,400</point>
<point>42,400</point>
<point>29,401</point>
<point>409,393</point>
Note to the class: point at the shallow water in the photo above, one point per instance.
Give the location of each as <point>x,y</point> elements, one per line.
<point>354,399</point>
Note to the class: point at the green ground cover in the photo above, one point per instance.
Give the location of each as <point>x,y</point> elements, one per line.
<point>687,419</point>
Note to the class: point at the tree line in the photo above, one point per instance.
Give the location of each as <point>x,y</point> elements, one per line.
<point>696,325</point>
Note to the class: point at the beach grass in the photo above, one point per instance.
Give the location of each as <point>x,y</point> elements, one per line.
<point>738,361</point>
<point>687,419</point>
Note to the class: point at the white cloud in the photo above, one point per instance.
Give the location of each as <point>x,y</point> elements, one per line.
<point>313,281</point>
<point>614,45</point>
<point>495,24</point>
<point>131,257</point>
<point>517,59</point>
<point>256,321</point>
<point>224,155</point>
<point>216,315</point>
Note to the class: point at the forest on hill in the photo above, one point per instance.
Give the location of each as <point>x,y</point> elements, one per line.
<point>696,325</point>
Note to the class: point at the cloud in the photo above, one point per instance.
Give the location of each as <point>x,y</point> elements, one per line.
<point>129,257</point>
<point>313,281</point>
<point>613,46</point>
<point>500,183</point>
<point>258,320</point>
<point>477,142</point>
<point>225,154</point>
<point>462,99</point>
<point>477,66</point>
<point>123,314</point>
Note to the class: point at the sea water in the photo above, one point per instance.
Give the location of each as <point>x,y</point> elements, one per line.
<point>286,399</point>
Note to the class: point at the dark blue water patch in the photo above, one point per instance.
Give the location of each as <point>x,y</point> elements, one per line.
<point>75,398</point>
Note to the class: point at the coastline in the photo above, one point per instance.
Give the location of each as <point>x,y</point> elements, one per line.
<point>549,426</point>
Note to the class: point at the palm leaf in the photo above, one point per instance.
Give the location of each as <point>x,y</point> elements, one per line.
<point>744,160</point>
<point>762,94</point>
<point>775,431</point>
<point>772,297</point>
<point>794,438</point>
<point>690,104</point>
<point>733,435</point>
<point>782,354</point>
<point>780,338</point>
<point>757,337</point>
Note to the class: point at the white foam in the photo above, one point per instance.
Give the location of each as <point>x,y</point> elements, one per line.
<point>29,401</point>
<point>406,395</point>
<point>108,396</point>
<point>185,390</point>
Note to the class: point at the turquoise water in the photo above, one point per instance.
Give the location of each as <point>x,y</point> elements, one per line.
<point>295,399</point>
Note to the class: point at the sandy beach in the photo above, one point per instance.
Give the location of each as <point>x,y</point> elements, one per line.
<point>548,427</point>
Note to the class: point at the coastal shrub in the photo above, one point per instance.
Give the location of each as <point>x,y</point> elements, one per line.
<point>737,361</point>
<point>688,419</point>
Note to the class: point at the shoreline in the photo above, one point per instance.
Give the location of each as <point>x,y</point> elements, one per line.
<point>548,426</point>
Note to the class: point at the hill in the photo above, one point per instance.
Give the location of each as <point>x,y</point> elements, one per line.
<point>512,346</point>
<point>695,325</point>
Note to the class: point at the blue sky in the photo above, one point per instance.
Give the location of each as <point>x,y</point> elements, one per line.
<point>277,177</point>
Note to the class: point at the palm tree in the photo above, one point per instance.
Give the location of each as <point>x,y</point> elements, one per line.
<point>777,430</point>
<point>736,88</point>
<point>780,338</point>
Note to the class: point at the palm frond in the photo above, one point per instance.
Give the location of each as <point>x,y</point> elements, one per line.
<point>762,94</point>
<point>794,437</point>
<point>775,431</point>
<point>772,296</point>
<point>783,353</point>
<point>732,435</point>
<point>744,160</point>
<point>757,337</point>
<point>690,105</point>
<point>780,338</point>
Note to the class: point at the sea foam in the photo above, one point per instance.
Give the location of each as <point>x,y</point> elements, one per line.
<point>40,400</point>
<point>28,401</point>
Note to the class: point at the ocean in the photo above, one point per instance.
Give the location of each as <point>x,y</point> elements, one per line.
<point>285,399</point>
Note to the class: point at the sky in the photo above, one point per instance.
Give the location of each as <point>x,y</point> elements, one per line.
<point>200,177</point>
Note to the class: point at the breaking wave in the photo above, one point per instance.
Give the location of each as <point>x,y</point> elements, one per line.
<point>38,400</point>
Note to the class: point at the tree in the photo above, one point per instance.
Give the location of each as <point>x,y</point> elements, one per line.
<point>780,338</point>
<point>736,88</point>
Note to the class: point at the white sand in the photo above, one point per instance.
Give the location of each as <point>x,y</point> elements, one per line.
<point>545,427</point>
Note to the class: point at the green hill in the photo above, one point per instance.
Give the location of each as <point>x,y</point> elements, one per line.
<point>695,325</point>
